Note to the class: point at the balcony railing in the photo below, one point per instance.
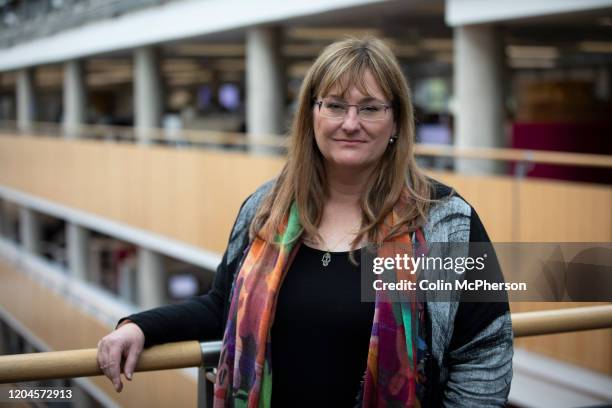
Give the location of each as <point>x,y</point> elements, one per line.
<point>83,363</point>
<point>22,21</point>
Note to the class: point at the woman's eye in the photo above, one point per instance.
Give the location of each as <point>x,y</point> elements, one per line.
<point>370,108</point>
<point>334,106</point>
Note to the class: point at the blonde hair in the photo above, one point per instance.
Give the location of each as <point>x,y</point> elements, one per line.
<point>303,179</point>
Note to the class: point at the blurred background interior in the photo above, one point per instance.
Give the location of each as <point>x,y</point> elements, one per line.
<point>131,131</point>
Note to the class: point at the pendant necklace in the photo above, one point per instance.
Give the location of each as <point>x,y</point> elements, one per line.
<point>326,258</point>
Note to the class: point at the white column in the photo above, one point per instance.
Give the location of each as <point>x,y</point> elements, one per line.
<point>127,279</point>
<point>29,230</point>
<point>75,99</point>
<point>265,96</point>
<point>147,92</point>
<point>479,93</point>
<point>26,99</point>
<point>151,279</point>
<point>77,247</point>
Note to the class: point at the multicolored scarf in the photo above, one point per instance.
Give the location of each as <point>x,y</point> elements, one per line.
<point>244,375</point>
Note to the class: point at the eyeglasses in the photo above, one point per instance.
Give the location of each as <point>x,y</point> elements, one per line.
<point>370,112</point>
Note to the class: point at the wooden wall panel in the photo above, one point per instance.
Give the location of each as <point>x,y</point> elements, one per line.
<point>552,211</point>
<point>491,197</point>
<point>189,195</point>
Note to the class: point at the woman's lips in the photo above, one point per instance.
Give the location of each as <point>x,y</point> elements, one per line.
<point>350,141</point>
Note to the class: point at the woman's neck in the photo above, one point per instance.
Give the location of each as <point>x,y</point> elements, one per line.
<point>341,216</point>
<point>345,187</point>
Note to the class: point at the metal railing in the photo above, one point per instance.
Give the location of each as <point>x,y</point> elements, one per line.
<point>83,363</point>
<point>21,21</point>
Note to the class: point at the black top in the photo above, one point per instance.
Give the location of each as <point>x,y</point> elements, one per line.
<point>321,332</point>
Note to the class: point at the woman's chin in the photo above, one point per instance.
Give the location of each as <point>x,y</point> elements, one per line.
<point>354,163</point>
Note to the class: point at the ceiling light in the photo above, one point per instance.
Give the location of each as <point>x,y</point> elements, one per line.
<point>532,51</point>
<point>227,65</point>
<point>173,65</point>
<point>526,63</point>
<point>595,46</point>
<point>437,44</point>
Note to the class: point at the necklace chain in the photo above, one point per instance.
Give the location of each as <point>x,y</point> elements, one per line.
<point>326,258</point>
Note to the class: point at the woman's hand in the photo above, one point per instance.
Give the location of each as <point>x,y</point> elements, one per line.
<point>127,341</point>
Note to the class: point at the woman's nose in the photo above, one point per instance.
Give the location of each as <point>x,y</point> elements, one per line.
<point>351,120</point>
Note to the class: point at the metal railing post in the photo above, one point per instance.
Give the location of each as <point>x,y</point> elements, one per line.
<point>206,389</point>
<point>210,357</point>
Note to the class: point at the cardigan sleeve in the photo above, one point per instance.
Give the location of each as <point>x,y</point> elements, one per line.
<point>479,357</point>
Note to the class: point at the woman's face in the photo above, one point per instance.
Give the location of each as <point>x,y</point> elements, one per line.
<point>352,142</point>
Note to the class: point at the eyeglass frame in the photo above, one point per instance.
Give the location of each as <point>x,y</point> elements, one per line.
<point>319,103</point>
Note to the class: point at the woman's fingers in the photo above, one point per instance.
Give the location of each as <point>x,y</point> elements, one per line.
<point>109,360</point>
<point>131,359</point>
<point>103,356</point>
<point>128,341</point>
<point>114,365</point>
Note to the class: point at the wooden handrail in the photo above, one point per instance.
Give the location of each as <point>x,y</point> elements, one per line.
<point>82,363</point>
<point>277,141</point>
<point>153,134</point>
<point>562,320</point>
<point>516,155</point>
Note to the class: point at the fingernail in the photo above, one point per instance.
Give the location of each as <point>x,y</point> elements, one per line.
<point>129,376</point>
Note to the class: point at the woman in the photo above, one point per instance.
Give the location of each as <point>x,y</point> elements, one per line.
<point>350,179</point>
